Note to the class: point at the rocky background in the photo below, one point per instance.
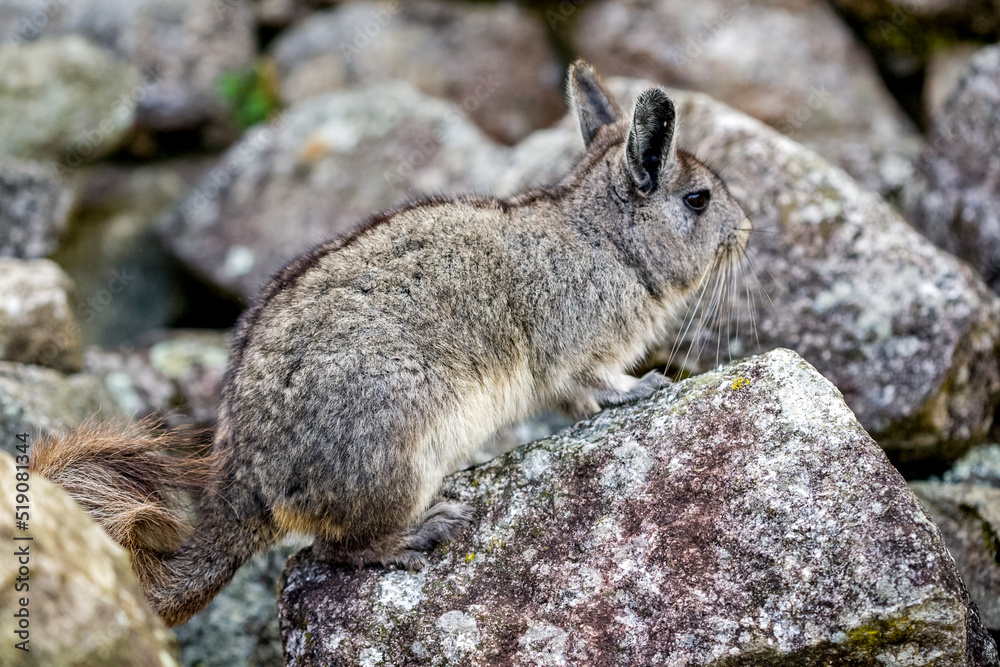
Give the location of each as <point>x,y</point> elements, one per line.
<point>159,159</point>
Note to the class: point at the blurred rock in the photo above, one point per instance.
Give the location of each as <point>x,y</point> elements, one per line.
<point>492,60</point>
<point>127,281</point>
<point>176,376</point>
<point>182,47</point>
<point>969,519</point>
<point>64,99</point>
<point>318,170</point>
<point>40,400</point>
<point>37,325</point>
<point>34,202</point>
<point>84,605</point>
<point>793,65</point>
<point>955,196</point>
<point>741,517</point>
<point>905,331</point>
<point>240,626</point>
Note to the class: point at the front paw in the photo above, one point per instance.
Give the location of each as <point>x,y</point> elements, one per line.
<point>644,387</point>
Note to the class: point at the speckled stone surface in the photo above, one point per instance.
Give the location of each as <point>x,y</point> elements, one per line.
<point>742,517</point>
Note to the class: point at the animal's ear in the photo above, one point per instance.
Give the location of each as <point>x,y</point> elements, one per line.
<point>594,107</point>
<point>650,152</point>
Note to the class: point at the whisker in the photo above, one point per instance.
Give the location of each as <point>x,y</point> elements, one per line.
<point>692,310</point>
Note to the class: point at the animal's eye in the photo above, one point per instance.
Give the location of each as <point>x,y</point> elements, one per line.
<point>697,201</point>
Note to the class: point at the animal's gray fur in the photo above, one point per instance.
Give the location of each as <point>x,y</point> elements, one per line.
<point>371,365</point>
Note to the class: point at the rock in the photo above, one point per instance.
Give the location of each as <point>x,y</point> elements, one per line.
<point>182,47</point>
<point>37,325</point>
<point>492,60</point>
<point>955,196</point>
<point>326,164</point>
<point>969,519</point>
<point>34,202</point>
<point>83,605</point>
<point>793,65</point>
<point>739,517</point>
<point>40,400</point>
<point>127,281</point>
<point>175,376</point>
<point>240,626</point>
<point>906,332</point>
<point>64,99</point>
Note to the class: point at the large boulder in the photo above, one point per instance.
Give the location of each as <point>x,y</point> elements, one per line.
<point>181,47</point>
<point>492,60</point>
<point>64,98</point>
<point>327,163</point>
<point>34,203</point>
<point>37,323</point>
<point>794,65</point>
<point>80,603</point>
<point>955,197</point>
<point>739,517</point>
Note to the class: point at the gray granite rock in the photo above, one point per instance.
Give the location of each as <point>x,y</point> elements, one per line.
<point>969,519</point>
<point>494,61</point>
<point>37,400</point>
<point>182,47</point>
<point>792,64</point>
<point>955,197</point>
<point>65,99</point>
<point>84,606</point>
<point>319,169</point>
<point>740,517</point>
<point>34,203</point>
<point>37,323</point>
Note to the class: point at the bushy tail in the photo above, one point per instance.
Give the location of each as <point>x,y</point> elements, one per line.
<point>140,495</point>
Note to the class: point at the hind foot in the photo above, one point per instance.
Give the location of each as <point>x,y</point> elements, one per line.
<point>439,524</point>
